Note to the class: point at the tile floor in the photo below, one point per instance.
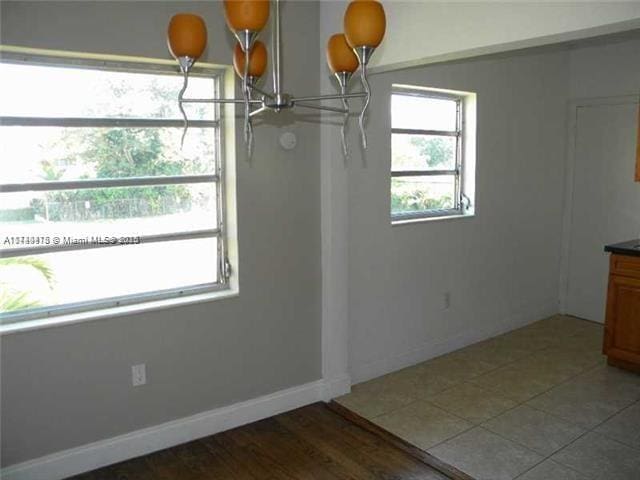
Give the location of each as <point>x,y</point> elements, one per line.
<point>537,403</point>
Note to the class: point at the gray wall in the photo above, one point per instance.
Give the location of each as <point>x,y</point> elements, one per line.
<point>606,69</point>
<point>501,267</point>
<point>66,386</point>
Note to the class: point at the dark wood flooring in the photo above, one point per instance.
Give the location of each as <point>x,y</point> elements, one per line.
<point>311,443</point>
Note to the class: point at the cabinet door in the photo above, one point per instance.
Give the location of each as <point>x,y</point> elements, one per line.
<point>622,338</point>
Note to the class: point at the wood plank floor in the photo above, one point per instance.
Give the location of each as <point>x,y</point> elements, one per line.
<point>309,443</point>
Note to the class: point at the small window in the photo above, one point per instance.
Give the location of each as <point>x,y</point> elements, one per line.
<point>100,204</point>
<point>428,168</point>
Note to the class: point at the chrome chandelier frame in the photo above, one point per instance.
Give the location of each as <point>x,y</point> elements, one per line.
<point>257,101</point>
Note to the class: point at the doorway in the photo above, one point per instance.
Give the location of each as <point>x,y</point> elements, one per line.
<point>603,200</point>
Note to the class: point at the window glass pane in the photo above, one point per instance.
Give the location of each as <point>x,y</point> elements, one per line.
<point>101,215</point>
<point>35,154</point>
<point>421,194</point>
<point>83,275</point>
<point>45,91</point>
<point>122,211</point>
<point>422,152</point>
<point>424,113</point>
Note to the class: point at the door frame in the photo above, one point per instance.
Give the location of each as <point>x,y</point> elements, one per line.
<point>569,179</point>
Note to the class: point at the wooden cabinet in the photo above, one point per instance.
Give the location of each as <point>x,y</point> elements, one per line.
<point>622,328</point>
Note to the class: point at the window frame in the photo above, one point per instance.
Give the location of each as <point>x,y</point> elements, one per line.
<point>462,201</point>
<point>220,76</point>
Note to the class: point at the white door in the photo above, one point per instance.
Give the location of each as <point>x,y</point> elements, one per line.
<point>605,207</point>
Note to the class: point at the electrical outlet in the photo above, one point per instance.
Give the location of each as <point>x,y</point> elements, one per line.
<point>138,374</point>
<point>446,301</point>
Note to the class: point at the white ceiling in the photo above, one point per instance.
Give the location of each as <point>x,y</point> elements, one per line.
<point>421,32</point>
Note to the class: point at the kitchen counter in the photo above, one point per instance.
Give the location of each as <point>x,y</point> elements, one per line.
<point>632,247</point>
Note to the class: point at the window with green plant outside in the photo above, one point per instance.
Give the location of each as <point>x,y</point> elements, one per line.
<point>427,154</point>
<point>101,204</point>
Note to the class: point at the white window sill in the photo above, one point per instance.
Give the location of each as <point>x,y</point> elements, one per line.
<point>69,319</point>
<point>409,221</point>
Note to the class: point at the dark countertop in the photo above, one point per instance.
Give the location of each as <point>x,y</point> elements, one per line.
<point>632,247</point>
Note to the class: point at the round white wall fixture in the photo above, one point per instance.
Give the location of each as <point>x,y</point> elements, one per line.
<point>288,140</point>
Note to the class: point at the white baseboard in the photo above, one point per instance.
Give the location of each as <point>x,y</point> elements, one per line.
<point>141,442</point>
<point>336,387</point>
<point>437,347</point>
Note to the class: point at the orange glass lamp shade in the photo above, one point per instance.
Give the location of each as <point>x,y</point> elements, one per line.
<point>187,36</point>
<point>340,56</point>
<point>249,15</point>
<point>257,60</point>
<point>364,23</point>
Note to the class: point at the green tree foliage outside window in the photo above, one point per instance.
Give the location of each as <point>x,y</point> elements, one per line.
<point>116,153</point>
<point>105,153</point>
<point>436,151</point>
<point>425,151</point>
<point>16,299</point>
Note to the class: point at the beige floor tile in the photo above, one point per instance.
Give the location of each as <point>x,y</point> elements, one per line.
<point>373,399</point>
<point>472,403</point>
<point>421,381</point>
<point>492,352</point>
<point>550,470</point>
<point>586,407</point>
<point>624,427</point>
<point>585,326</point>
<point>541,334</point>
<point>562,361</point>
<point>556,367</point>
<point>422,424</point>
<point>590,398</point>
<point>544,371</point>
<point>536,430</point>
<point>456,368</point>
<point>601,458</point>
<point>486,456</point>
<point>587,340</point>
<point>518,384</point>
<point>563,326</point>
<point>566,331</point>
<point>613,378</point>
<point>524,341</point>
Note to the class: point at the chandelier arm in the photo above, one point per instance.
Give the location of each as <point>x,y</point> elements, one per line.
<point>339,96</point>
<point>181,107</point>
<point>367,89</point>
<point>250,142</point>
<point>249,124</point>
<point>220,100</point>
<point>256,101</point>
<point>258,111</point>
<point>322,107</point>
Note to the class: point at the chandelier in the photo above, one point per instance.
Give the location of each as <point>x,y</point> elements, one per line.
<point>364,28</point>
